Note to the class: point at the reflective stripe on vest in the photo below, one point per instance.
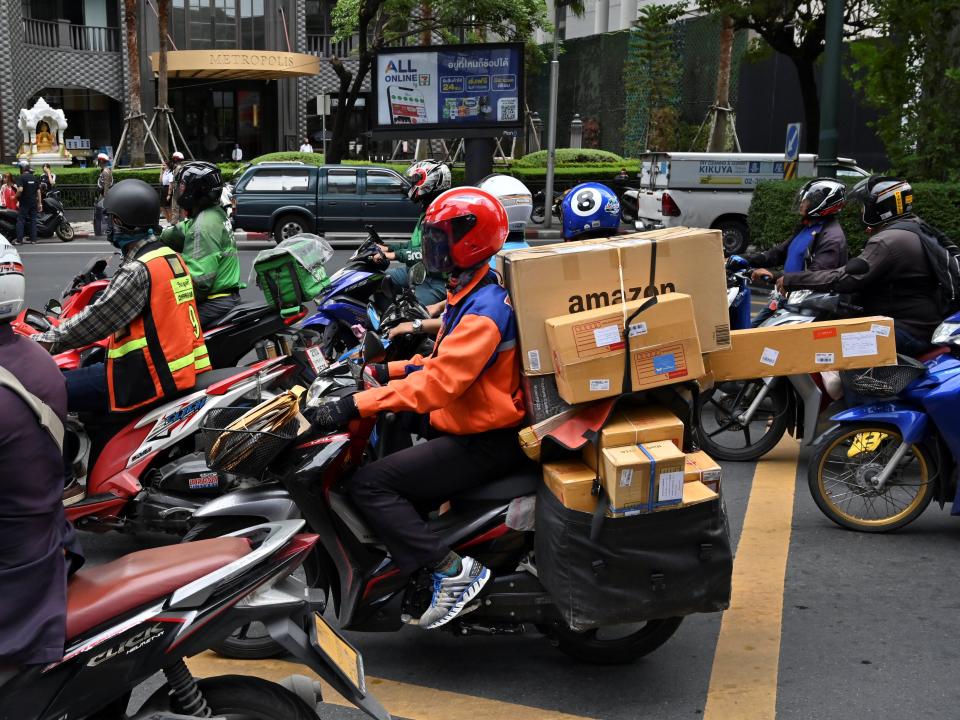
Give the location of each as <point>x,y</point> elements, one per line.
<point>127,347</point>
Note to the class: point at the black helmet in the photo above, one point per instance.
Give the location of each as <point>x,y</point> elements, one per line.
<point>133,205</point>
<point>198,185</point>
<point>884,199</point>
<point>820,198</point>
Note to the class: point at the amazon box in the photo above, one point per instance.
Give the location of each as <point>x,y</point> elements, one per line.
<point>700,467</point>
<point>589,348</point>
<point>805,348</point>
<point>643,477</point>
<point>634,425</point>
<point>554,280</point>
<point>572,484</point>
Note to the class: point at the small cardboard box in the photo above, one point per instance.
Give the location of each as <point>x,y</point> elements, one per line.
<point>694,493</point>
<point>552,280</point>
<point>572,483</point>
<point>540,397</point>
<point>643,477</point>
<point>700,467</point>
<point>807,348</point>
<point>588,348</point>
<point>637,424</point>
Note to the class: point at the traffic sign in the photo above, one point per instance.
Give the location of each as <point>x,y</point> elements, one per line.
<point>791,151</point>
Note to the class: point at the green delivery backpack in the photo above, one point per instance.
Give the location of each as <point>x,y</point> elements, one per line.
<point>293,272</point>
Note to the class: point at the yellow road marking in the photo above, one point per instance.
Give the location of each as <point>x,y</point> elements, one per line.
<point>401,699</point>
<point>743,683</point>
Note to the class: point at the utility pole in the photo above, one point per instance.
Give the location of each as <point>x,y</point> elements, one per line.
<point>552,128</point>
<point>829,95</point>
<point>163,19</point>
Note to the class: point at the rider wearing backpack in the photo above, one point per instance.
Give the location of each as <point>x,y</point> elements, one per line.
<point>895,275</point>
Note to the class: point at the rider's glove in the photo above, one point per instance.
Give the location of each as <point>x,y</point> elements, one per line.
<point>737,262</point>
<point>332,415</point>
<point>377,371</point>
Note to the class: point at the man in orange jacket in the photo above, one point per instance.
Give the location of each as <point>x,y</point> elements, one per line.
<point>470,386</point>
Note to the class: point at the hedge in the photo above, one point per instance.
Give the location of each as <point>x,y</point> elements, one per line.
<point>772,220</point>
<point>307,158</point>
<point>570,156</point>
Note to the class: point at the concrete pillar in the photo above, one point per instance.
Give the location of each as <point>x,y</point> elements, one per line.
<point>628,13</point>
<point>601,17</point>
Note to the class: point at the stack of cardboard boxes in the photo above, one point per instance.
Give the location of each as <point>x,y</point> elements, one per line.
<point>602,317</point>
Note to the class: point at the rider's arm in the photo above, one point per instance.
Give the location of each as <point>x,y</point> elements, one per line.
<point>201,250</point>
<point>857,275</point>
<point>123,301</point>
<point>774,257</point>
<point>172,236</point>
<point>462,356</point>
<point>830,249</point>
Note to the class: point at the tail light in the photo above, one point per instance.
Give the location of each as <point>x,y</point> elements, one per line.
<point>668,207</point>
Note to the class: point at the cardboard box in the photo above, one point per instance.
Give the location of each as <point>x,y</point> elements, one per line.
<point>633,425</point>
<point>572,484</point>
<point>807,348</point>
<point>700,467</point>
<point>540,397</point>
<point>694,493</point>
<point>643,477</point>
<point>552,280</point>
<point>588,348</point>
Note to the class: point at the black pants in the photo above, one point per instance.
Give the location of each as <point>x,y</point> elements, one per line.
<point>27,221</point>
<point>211,311</point>
<point>390,491</point>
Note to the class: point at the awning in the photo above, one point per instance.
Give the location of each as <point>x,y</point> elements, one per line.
<point>237,64</point>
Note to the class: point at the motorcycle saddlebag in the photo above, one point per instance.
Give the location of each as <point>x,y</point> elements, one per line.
<point>654,565</point>
<point>293,272</point>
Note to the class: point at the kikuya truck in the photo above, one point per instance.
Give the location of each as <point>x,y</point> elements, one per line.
<point>713,190</point>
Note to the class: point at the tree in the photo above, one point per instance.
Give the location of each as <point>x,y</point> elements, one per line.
<point>163,20</point>
<point>383,23</point>
<point>135,126</point>
<point>795,28</point>
<point>910,72</point>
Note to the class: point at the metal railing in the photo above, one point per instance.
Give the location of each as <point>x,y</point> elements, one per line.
<point>324,45</point>
<point>63,34</point>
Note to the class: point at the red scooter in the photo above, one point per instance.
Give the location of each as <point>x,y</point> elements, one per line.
<point>146,612</point>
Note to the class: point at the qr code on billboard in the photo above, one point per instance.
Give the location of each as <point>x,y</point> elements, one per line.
<point>507,109</point>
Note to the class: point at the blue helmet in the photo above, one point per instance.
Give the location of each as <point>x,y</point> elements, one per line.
<point>590,209</point>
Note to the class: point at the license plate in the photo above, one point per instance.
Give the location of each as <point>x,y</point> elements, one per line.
<point>316,358</point>
<point>341,655</point>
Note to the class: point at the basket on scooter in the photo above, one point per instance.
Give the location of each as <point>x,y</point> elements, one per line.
<point>232,448</point>
<point>884,382</point>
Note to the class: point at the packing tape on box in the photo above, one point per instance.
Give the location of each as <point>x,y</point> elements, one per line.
<point>653,476</point>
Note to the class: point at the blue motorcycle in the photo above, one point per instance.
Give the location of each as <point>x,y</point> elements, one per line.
<point>882,462</point>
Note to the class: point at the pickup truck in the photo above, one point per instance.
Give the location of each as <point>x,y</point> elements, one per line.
<point>713,190</point>
<point>289,198</point>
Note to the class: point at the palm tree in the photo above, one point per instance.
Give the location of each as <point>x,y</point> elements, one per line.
<point>135,125</point>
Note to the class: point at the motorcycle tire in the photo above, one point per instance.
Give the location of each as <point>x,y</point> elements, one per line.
<point>856,485</point>
<point>243,697</point>
<point>538,215</point>
<point>591,647</point>
<point>65,232</point>
<point>706,436</point>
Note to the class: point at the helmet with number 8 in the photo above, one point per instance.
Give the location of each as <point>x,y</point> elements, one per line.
<point>590,210</point>
<point>463,228</point>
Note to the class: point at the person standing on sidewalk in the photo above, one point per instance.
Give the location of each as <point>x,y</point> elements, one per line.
<point>28,198</point>
<point>8,192</point>
<point>104,182</point>
<point>237,154</point>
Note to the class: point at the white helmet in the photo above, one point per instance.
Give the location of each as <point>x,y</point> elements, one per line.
<point>428,179</point>
<point>12,285</point>
<point>514,196</point>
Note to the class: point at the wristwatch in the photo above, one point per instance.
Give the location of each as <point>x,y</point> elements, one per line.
<point>417,324</point>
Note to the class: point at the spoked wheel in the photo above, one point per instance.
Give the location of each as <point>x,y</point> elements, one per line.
<point>722,432</point>
<point>241,697</point>
<point>613,645</point>
<point>843,479</point>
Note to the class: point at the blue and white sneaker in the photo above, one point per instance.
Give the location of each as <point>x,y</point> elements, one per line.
<point>452,593</point>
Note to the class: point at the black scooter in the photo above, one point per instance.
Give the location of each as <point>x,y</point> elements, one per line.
<point>50,220</point>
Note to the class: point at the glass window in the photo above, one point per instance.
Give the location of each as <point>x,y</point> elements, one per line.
<point>252,36</point>
<point>342,182</point>
<point>279,180</point>
<point>381,182</point>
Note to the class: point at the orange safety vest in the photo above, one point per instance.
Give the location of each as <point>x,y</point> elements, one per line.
<point>161,352</point>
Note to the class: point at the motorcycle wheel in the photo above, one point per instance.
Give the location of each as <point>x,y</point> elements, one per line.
<point>841,471</point>
<point>615,645</point>
<point>243,697</point>
<point>538,215</point>
<point>722,437</point>
<point>250,641</point>
<point>65,231</point>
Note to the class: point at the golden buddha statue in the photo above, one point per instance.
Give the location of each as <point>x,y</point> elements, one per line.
<point>45,139</point>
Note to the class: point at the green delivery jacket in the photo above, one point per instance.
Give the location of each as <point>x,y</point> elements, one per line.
<point>207,246</point>
<point>410,253</point>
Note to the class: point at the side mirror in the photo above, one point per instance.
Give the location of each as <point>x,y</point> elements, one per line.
<point>372,348</point>
<point>418,273</point>
<point>52,307</point>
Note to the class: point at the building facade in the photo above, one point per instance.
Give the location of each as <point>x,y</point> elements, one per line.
<point>244,72</point>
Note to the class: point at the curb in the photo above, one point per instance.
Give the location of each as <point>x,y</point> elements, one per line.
<point>243,235</point>
<point>544,234</point>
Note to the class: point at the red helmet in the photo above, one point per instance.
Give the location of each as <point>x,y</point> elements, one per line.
<point>462,228</point>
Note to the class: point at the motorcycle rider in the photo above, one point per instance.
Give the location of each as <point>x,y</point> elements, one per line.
<point>37,545</point>
<point>891,276</point>
<point>470,386</point>
<point>148,311</point>
<point>590,210</point>
<point>818,243</point>
<point>104,183</point>
<point>205,240</point>
<point>428,179</point>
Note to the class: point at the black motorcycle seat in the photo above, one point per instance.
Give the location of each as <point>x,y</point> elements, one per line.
<point>211,377</point>
<point>245,309</point>
<point>506,488</point>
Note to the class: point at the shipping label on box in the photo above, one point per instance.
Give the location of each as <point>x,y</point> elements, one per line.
<point>700,467</point>
<point>805,348</point>
<point>554,280</point>
<point>633,425</point>
<point>643,477</point>
<point>588,348</point>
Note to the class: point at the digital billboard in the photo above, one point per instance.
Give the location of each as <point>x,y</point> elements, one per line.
<point>449,87</point>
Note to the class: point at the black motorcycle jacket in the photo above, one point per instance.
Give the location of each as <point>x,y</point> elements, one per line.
<point>827,252</point>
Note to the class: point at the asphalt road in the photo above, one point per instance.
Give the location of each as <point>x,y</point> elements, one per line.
<point>826,624</point>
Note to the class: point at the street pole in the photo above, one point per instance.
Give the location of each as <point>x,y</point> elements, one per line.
<point>829,96</point>
<point>552,113</point>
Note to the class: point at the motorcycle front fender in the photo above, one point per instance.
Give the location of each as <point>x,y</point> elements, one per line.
<point>911,423</point>
<point>269,503</point>
<point>317,320</point>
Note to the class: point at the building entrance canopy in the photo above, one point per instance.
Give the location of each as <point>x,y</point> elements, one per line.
<point>237,64</point>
